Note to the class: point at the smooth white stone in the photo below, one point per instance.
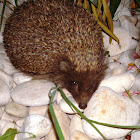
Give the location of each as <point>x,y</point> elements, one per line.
<point>1,112</point>
<point>20,78</point>
<point>3,123</point>
<point>6,65</point>
<point>113,58</point>
<point>122,138</point>
<point>78,135</point>
<point>7,126</point>
<point>122,10</point>
<point>6,78</point>
<point>133,20</point>
<point>51,135</point>
<point>133,44</point>
<point>136,85</point>
<point>40,110</point>
<point>106,106</point>
<point>119,83</point>
<point>138,49</point>
<point>138,24</point>
<point>126,58</point>
<point>76,124</point>
<point>16,110</point>
<point>20,122</point>
<point>127,3</point>
<point>59,97</point>
<point>128,23</point>
<point>137,16</point>
<point>108,73</point>
<point>117,68</point>
<point>63,121</point>
<point>136,98</point>
<point>2,49</point>
<point>4,93</point>
<point>35,124</point>
<point>9,118</point>
<point>32,93</point>
<point>1,37</point>
<point>135,135</point>
<point>137,62</point>
<point>124,38</point>
<point>33,139</point>
<point>66,108</point>
<point>116,24</point>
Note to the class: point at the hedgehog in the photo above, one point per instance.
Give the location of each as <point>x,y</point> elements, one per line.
<point>59,41</point>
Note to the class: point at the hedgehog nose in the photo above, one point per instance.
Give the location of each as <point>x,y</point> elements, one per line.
<point>82,105</point>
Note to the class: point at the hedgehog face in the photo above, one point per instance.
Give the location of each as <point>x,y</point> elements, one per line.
<point>82,85</point>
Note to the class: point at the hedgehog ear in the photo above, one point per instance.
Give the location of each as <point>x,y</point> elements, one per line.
<point>64,66</point>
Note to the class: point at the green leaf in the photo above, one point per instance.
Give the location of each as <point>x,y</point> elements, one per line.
<point>113,6</point>
<point>9,134</point>
<point>56,124</point>
<point>95,2</point>
<point>16,2</point>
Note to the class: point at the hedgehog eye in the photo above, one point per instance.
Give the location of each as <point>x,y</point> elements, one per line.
<point>73,83</point>
<point>74,86</point>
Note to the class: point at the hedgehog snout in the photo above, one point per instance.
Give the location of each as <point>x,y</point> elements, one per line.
<point>82,105</point>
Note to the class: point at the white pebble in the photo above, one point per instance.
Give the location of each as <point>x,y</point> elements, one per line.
<point>136,85</point>
<point>35,124</point>
<point>1,112</point>
<point>7,126</point>
<point>128,23</point>
<point>4,93</point>
<point>117,68</point>
<point>137,62</point>
<point>126,58</point>
<point>40,110</point>
<point>78,135</point>
<point>6,65</point>
<point>113,58</point>
<point>138,49</point>
<point>21,77</point>
<point>106,106</point>
<point>76,124</point>
<point>32,93</point>
<point>33,139</point>
<point>51,135</point>
<point>135,135</point>
<point>119,83</point>
<point>136,98</point>
<point>66,108</point>
<point>133,44</point>
<point>20,122</point>
<point>124,38</point>
<point>2,124</point>
<point>9,118</point>
<point>6,78</point>
<point>122,10</point>
<point>16,110</point>
<point>2,49</point>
